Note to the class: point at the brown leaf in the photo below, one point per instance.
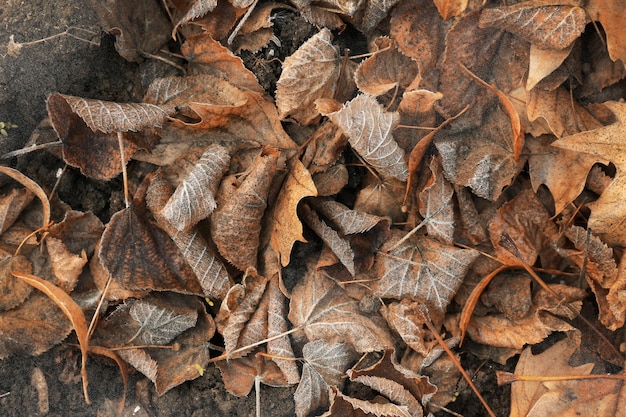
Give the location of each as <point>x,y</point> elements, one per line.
<point>140,256</point>
<point>209,270</point>
<point>392,390</point>
<point>375,11</point>
<point>66,266</point>
<point>198,9</point>
<point>436,204</point>
<point>402,318</point>
<point>193,199</point>
<point>481,158</point>
<point>78,231</point>
<point>608,13</point>
<point>415,26</point>
<point>382,199</point>
<point>546,316</point>
<point>369,129</point>
<point>207,56</point>
<point>72,311</point>
<point>33,187</point>
<point>11,206</point>
<point>345,406</point>
<point>140,27</point>
<point>141,361</point>
<point>277,325</point>
<point>13,291</point>
<point>386,69</point>
<point>239,374</point>
<point>325,311</point>
<point>312,72</point>
<point>543,62</point>
<point>423,270</point>
<point>337,244</point>
<point>473,48</point>
<point>206,101</point>
<point>96,153</point>
<point>348,221</point>
<point>286,226</point>
<point>33,327</point>
<point>239,218</point>
<point>545,26</point>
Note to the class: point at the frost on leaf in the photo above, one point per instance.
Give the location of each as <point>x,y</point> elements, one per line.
<point>310,73</point>
<point>422,269</point>
<point>547,27</point>
<point>141,361</point>
<point>157,325</point>
<point>348,221</point>
<point>325,311</point>
<point>198,9</point>
<point>369,129</point>
<point>194,199</point>
<point>436,204</point>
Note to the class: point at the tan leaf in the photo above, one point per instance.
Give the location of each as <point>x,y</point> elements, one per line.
<point>239,218</point>
<point>325,311</point>
<point>609,211</point>
<point>450,8</point>
<point>386,69</point>
<point>208,56</point>
<point>564,172</point>
<point>436,204</point>
<point>423,270</point>
<point>66,265</point>
<point>310,73</point>
<point>564,116</point>
<point>13,291</point>
<point>198,9</point>
<point>543,62</point>
<point>375,11</point>
<point>141,256</point>
<point>546,26</point>
<point>11,206</point>
<point>369,129</point>
<point>608,13</point>
<point>402,317</point>
<point>158,325</point>
<point>33,187</point>
<point>382,199</point>
<point>286,226</point>
<point>392,390</point>
<point>340,246</point>
<point>209,270</point>
<point>193,199</point>
<point>78,231</point>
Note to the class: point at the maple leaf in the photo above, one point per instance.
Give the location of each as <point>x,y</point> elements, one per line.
<point>606,143</point>
<point>369,129</point>
<point>324,311</point>
<point>423,269</point>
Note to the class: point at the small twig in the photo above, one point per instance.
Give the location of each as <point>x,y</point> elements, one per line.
<point>14,48</point>
<point>243,20</point>
<point>504,377</point>
<point>30,149</point>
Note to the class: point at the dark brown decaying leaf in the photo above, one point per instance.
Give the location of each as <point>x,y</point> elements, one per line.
<point>310,73</point>
<point>369,129</point>
<point>546,26</point>
<point>239,218</point>
<point>11,206</point>
<point>193,199</point>
<point>325,311</point>
<point>13,291</point>
<point>141,256</point>
<point>422,269</point>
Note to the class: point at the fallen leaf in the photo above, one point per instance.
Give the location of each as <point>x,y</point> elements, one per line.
<point>607,13</point>
<point>436,204</point>
<point>450,8</point>
<point>239,218</point>
<point>386,69</point>
<point>421,269</point>
<point>240,374</point>
<point>609,211</point>
<point>312,72</point>
<point>13,291</point>
<point>198,9</point>
<point>324,311</point>
<point>348,221</point>
<point>286,226</point>
<point>279,343</point>
<point>543,62</point>
<point>11,206</point>
<point>546,26</point>
<point>343,405</point>
<point>193,199</point>
<point>369,129</point>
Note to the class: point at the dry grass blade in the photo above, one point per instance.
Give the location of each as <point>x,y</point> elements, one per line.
<point>73,313</point>
<point>34,187</point>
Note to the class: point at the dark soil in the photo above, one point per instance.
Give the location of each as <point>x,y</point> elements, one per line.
<point>79,68</point>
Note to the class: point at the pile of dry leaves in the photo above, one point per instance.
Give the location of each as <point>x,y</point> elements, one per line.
<point>465,178</point>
